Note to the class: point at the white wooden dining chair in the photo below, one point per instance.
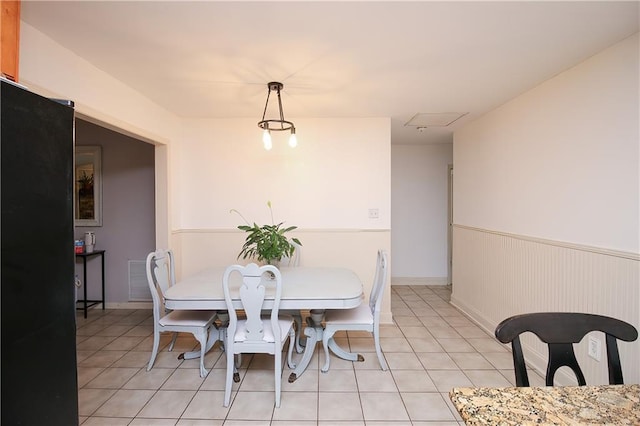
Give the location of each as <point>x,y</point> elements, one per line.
<point>365,317</point>
<point>255,333</point>
<point>160,275</point>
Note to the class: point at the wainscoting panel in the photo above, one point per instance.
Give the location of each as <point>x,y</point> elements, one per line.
<point>496,275</point>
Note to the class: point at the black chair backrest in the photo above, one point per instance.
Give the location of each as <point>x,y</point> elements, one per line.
<point>560,330</point>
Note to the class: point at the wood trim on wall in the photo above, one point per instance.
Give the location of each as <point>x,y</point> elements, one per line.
<point>556,243</point>
<point>10,39</point>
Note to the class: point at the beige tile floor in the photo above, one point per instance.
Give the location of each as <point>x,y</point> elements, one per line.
<point>431,348</point>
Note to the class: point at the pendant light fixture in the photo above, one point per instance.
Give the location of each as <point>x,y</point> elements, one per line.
<point>276,124</point>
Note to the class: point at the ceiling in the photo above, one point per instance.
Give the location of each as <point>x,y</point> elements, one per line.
<point>336,59</point>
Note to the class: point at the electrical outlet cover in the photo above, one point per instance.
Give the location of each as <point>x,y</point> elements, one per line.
<point>595,348</point>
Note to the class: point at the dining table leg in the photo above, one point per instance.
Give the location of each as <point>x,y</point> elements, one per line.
<point>215,334</point>
<point>313,331</point>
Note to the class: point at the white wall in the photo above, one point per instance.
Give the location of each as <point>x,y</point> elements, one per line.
<point>339,170</point>
<point>325,186</point>
<point>419,199</point>
<point>50,69</point>
<point>546,203</point>
<point>560,161</point>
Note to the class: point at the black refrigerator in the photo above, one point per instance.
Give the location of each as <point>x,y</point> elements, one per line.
<point>38,375</point>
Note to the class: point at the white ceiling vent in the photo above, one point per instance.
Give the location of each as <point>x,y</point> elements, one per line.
<point>434,119</point>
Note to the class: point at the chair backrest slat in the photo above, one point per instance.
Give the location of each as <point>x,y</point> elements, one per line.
<point>379,283</point>
<point>160,271</point>
<point>256,282</point>
<point>560,330</point>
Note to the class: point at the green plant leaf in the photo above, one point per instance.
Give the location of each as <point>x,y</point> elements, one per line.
<point>266,243</point>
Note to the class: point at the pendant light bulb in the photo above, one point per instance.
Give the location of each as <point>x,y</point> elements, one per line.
<point>293,140</point>
<point>266,139</point>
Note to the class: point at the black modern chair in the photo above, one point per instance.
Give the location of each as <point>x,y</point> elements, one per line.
<point>560,330</point>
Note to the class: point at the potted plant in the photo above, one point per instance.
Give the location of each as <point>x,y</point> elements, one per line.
<point>267,243</point>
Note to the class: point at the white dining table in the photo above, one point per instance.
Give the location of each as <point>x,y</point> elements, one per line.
<point>303,288</point>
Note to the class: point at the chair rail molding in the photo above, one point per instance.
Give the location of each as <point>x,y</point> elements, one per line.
<point>557,243</point>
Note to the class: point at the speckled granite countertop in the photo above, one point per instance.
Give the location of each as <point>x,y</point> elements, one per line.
<point>568,405</point>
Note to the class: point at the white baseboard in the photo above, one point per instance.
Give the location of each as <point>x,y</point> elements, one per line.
<point>418,280</point>
<point>474,316</point>
<point>130,305</point>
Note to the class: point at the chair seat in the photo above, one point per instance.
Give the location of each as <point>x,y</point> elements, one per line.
<point>187,318</point>
<point>359,315</point>
<point>285,323</point>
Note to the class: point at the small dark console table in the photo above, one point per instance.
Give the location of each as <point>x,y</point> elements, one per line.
<point>89,303</point>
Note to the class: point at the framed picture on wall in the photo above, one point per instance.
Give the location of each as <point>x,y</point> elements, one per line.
<point>88,186</point>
